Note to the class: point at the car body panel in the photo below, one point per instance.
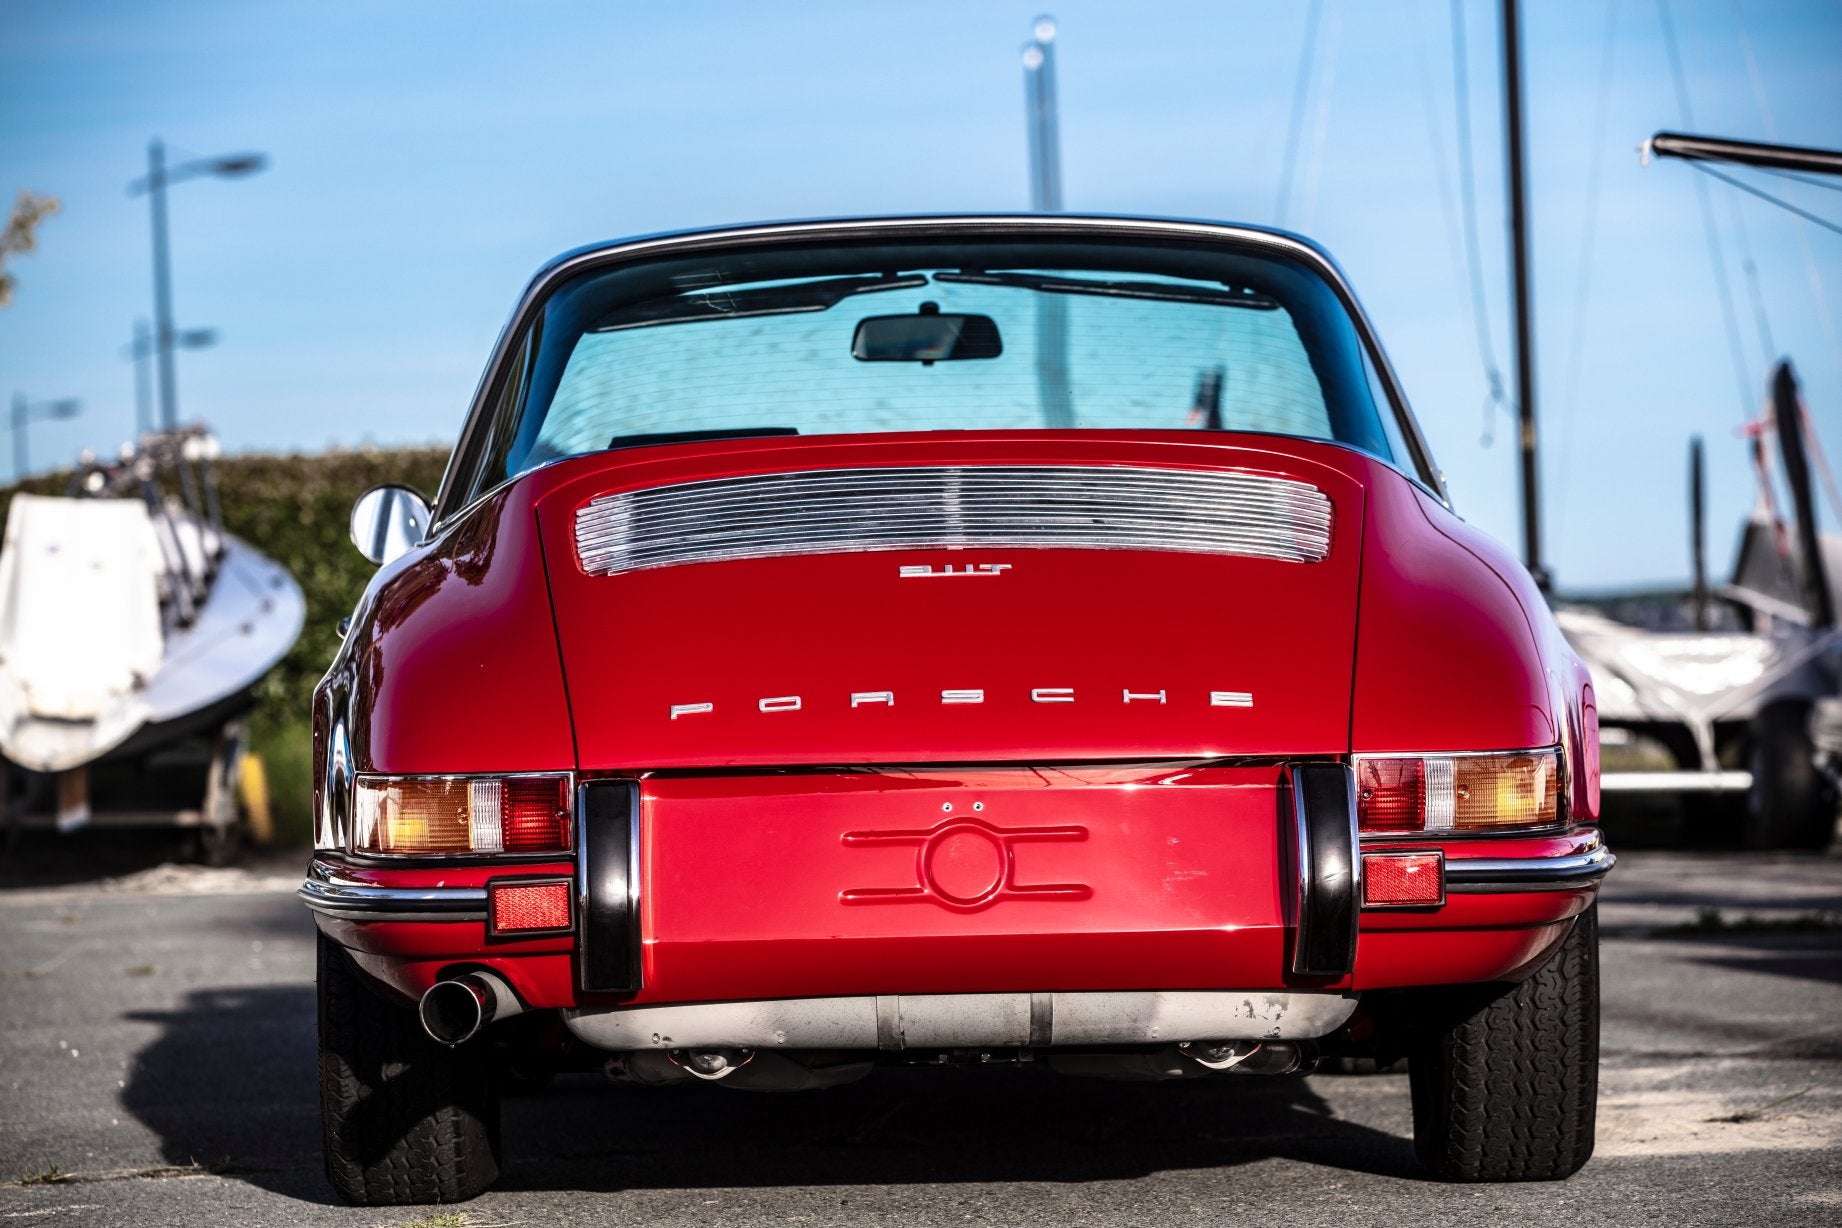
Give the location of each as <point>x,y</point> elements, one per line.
<point>889,845</point>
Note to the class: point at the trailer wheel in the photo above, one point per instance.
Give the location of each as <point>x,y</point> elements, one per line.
<point>1791,804</point>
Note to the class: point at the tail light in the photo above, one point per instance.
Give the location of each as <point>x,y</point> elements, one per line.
<point>461,814</point>
<point>1439,794</point>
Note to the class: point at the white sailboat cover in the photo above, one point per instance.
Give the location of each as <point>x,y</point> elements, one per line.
<point>79,606</point>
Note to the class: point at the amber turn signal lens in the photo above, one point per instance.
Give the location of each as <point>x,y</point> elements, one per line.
<point>461,814</point>
<point>1410,794</point>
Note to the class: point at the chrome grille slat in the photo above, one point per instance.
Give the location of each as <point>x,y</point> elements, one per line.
<point>840,511</point>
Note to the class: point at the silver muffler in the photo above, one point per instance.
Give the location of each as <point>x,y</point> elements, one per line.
<point>455,1009</point>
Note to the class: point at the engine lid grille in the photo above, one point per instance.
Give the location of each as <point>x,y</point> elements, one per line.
<point>834,511</point>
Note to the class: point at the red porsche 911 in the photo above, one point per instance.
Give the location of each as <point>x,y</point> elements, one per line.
<point>978,639</point>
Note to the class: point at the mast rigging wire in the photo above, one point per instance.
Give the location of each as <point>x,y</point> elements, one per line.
<point>1480,311</point>
<point>1736,349</point>
<point>1299,92</point>
<point>1589,227</point>
<point>1811,272</point>
<point>1743,186</point>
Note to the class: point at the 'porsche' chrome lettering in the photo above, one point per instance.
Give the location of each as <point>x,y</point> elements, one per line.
<point>923,571</point>
<point>972,695</point>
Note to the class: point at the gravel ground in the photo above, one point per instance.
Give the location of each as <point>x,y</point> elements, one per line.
<point>156,1066</point>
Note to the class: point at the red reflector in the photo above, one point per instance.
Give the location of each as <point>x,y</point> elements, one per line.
<point>519,907</point>
<point>1399,879</point>
<point>1390,794</point>
<point>535,814</point>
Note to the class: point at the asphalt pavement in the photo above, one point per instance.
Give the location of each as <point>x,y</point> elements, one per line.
<point>157,1066</point>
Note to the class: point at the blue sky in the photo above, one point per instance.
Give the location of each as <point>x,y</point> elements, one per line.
<point>426,157</point>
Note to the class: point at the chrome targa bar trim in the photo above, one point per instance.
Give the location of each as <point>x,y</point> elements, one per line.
<point>1529,873</point>
<point>952,1021</point>
<point>333,896</point>
<point>831,511</point>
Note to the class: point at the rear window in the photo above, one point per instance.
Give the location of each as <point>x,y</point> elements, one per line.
<point>934,336</point>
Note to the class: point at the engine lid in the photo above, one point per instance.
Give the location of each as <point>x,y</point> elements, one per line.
<point>1026,597</point>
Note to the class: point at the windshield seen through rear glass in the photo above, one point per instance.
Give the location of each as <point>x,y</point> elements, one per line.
<point>934,336</point>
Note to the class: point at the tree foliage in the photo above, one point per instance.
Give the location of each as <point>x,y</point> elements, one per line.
<point>21,234</point>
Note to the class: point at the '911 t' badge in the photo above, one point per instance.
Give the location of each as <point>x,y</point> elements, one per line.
<point>965,865</point>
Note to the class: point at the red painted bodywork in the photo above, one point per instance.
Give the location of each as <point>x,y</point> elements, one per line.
<point>489,649</point>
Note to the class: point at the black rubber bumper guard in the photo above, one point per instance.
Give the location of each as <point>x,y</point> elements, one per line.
<point>1327,860</point>
<point>608,886</point>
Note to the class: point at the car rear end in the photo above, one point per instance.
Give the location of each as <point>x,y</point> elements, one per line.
<point>1046,706</point>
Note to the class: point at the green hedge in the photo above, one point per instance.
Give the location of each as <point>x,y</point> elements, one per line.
<point>295,509</point>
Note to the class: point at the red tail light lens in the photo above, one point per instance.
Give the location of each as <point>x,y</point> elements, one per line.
<point>536,814</point>
<point>1390,794</point>
<point>1433,794</point>
<point>461,814</point>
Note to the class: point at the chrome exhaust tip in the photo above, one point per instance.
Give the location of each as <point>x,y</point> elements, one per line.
<point>1269,1057</point>
<point>454,1010</point>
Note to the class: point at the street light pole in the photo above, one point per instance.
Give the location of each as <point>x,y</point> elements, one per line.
<point>1052,385</point>
<point>163,286</point>
<point>143,395</point>
<point>159,175</point>
<point>25,412</point>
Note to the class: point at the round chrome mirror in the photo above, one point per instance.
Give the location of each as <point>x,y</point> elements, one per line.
<point>387,521</point>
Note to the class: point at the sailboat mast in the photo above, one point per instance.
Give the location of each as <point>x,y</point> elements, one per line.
<point>1520,292</point>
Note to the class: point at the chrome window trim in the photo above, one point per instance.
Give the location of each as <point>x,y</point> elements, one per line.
<point>621,251</point>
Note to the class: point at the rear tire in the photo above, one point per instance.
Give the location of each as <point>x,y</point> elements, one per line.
<point>405,1120</point>
<point>1506,1089</point>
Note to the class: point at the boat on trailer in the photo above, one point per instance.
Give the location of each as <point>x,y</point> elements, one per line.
<point>133,630</point>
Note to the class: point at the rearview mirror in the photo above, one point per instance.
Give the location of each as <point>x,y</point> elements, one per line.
<point>387,521</point>
<point>926,338</point>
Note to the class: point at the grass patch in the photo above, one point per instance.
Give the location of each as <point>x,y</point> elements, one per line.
<point>453,1219</point>
<point>1714,921</point>
<point>51,1176</point>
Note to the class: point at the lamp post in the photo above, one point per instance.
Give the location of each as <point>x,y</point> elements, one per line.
<point>159,175</point>
<point>141,349</point>
<point>1052,390</point>
<point>25,412</point>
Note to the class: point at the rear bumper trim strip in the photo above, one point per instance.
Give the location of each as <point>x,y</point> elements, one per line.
<point>331,896</point>
<point>1529,873</point>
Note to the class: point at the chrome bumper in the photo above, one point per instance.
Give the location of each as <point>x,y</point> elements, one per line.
<point>332,895</point>
<point>1498,874</point>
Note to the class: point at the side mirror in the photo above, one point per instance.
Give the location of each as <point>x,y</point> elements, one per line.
<point>387,521</point>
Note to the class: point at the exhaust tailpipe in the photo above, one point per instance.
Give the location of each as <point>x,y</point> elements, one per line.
<point>1270,1057</point>
<point>454,1010</point>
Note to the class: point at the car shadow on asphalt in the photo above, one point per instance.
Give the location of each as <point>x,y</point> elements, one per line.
<point>229,1085</point>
